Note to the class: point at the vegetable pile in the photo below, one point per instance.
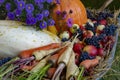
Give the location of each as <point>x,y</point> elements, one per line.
<point>82,48</point>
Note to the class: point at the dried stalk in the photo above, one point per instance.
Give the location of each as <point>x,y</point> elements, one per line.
<point>107,2</point>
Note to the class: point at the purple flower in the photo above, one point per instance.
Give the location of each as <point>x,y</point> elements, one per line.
<point>21,5</point>
<point>8,6</point>
<point>51,22</point>
<point>11,15</point>
<point>43,25</point>
<point>18,12</point>
<point>31,21</point>
<point>70,22</point>
<point>29,15</point>
<point>40,6</point>
<point>1,1</point>
<point>58,1</point>
<point>37,2</point>
<point>39,17</point>
<point>42,1</point>
<point>45,13</point>
<point>58,12</point>
<point>49,1</point>
<point>29,8</point>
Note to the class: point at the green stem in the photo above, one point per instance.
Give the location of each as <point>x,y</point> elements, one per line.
<point>42,72</point>
<point>10,68</point>
<point>81,74</point>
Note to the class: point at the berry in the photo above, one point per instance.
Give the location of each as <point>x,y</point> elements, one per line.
<point>4,60</point>
<point>85,56</point>
<point>103,22</point>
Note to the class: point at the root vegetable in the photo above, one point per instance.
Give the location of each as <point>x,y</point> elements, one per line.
<point>89,63</point>
<point>40,65</point>
<point>72,68</point>
<point>28,53</point>
<point>51,72</point>
<point>64,59</point>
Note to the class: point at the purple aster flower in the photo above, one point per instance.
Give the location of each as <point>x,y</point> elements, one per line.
<point>43,25</point>
<point>8,6</point>
<point>42,1</point>
<point>40,6</point>
<point>18,12</point>
<point>39,17</point>
<point>70,22</point>
<point>29,8</point>
<point>45,13</point>
<point>31,21</point>
<point>21,5</point>
<point>11,15</point>
<point>29,15</point>
<point>37,2</point>
<point>1,1</point>
<point>49,1</point>
<point>51,22</point>
<point>58,1</point>
<point>58,12</point>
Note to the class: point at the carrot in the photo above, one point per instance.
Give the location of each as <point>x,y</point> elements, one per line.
<point>54,58</point>
<point>89,63</point>
<point>51,72</point>
<point>29,67</point>
<point>29,52</point>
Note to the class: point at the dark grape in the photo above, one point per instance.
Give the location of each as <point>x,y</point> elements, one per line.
<point>110,30</point>
<point>80,36</point>
<point>104,15</point>
<point>85,56</point>
<point>89,27</point>
<point>94,40</point>
<point>4,60</point>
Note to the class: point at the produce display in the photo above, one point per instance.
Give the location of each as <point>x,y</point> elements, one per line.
<point>72,42</point>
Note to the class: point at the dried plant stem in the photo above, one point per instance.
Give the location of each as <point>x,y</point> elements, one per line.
<point>107,2</point>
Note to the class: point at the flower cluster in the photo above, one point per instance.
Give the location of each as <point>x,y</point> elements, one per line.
<point>33,12</point>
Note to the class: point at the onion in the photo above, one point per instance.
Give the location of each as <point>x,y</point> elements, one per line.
<point>14,38</point>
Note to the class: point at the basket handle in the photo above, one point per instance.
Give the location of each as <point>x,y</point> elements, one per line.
<point>106,3</point>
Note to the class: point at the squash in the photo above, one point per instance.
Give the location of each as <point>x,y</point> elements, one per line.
<point>15,37</point>
<point>74,9</point>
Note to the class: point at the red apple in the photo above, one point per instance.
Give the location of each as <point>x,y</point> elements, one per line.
<point>100,52</point>
<point>92,50</point>
<point>103,22</point>
<point>78,47</point>
<point>88,34</point>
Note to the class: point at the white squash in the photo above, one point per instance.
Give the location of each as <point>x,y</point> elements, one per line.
<point>14,37</point>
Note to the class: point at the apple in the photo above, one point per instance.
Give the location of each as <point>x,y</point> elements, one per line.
<point>88,34</point>
<point>92,50</point>
<point>100,52</point>
<point>103,22</point>
<point>77,48</point>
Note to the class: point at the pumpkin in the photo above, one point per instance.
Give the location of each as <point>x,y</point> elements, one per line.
<point>74,9</point>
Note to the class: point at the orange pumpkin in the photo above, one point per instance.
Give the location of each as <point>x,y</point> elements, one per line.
<point>74,9</point>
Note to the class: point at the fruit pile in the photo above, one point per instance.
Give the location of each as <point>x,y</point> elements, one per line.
<point>95,38</point>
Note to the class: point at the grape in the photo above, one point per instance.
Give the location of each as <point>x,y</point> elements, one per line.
<point>104,15</point>
<point>4,60</point>
<point>85,56</point>
<point>80,36</point>
<point>110,30</point>
<point>94,40</point>
<point>89,27</point>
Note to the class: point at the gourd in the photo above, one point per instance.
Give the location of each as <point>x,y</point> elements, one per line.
<point>15,37</point>
<point>73,9</point>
